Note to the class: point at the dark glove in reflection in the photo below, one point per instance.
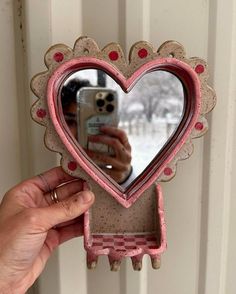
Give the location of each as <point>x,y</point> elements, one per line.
<point>117,165</point>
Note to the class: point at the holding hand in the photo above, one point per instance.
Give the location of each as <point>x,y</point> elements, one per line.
<point>34,220</point>
<point>117,166</point>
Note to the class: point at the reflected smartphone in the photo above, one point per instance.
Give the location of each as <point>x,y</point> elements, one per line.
<point>96,107</point>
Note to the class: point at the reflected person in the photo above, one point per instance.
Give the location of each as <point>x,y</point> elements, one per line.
<point>116,165</point>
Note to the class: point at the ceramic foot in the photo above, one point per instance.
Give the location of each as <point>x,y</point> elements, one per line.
<point>114,264</point>
<point>137,262</point>
<point>91,261</point>
<point>156,262</point>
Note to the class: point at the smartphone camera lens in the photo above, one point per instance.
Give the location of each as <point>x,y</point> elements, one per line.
<point>109,107</point>
<point>100,102</point>
<point>110,97</point>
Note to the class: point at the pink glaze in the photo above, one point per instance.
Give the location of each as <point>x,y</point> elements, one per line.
<point>122,245</point>
<point>199,68</point>
<point>125,197</point>
<point>72,165</point>
<point>58,56</point>
<point>41,113</point>
<point>142,53</point>
<point>199,126</point>
<point>113,55</point>
<point>168,171</point>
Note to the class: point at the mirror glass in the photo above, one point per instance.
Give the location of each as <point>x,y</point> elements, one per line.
<point>121,132</point>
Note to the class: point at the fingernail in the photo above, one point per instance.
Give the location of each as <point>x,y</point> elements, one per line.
<point>86,196</point>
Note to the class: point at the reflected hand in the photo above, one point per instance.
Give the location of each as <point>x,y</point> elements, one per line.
<point>32,225</point>
<point>120,162</point>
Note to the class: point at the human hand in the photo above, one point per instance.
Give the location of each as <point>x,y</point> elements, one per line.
<point>120,162</point>
<point>32,225</point>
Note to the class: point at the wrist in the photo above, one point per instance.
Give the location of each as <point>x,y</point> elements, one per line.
<point>127,175</point>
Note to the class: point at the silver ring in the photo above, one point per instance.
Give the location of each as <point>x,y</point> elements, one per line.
<point>54,196</point>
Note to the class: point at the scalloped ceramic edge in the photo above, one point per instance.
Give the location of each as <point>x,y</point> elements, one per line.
<point>60,60</point>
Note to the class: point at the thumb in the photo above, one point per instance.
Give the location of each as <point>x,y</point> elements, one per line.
<point>66,209</point>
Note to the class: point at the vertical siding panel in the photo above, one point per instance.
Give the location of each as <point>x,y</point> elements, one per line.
<point>37,15</point>
<point>179,269</point>
<point>186,22</point>
<point>230,262</point>
<point>102,280</point>
<point>22,91</point>
<point>72,267</point>
<point>137,27</point>
<point>221,143</point>
<point>66,21</point>
<point>10,172</point>
<point>72,259</point>
<point>38,40</point>
<point>136,22</point>
<point>100,21</point>
<point>133,281</point>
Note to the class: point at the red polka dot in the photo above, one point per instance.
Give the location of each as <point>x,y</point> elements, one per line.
<point>199,69</point>
<point>72,165</point>
<point>113,55</point>
<point>41,113</point>
<point>58,56</point>
<point>199,126</point>
<point>168,171</point>
<point>142,53</point>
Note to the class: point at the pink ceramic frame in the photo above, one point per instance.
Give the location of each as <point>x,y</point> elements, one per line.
<point>143,58</point>
<point>124,197</point>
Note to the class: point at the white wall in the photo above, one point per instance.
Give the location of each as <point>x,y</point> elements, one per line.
<point>199,202</point>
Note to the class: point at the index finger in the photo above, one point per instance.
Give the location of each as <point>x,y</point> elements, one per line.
<point>116,132</point>
<point>51,179</point>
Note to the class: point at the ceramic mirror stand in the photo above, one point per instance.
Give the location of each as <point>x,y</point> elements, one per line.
<point>157,99</point>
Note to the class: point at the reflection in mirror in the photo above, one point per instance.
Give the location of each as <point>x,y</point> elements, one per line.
<point>122,132</point>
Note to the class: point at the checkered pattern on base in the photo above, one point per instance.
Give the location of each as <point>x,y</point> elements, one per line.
<point>124,242</point>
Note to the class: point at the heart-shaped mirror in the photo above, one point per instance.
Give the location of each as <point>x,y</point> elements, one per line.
<point>124,124</point>
<point>121,132</point>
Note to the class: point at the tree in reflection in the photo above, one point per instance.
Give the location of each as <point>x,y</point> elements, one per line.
<point>157,94</point>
